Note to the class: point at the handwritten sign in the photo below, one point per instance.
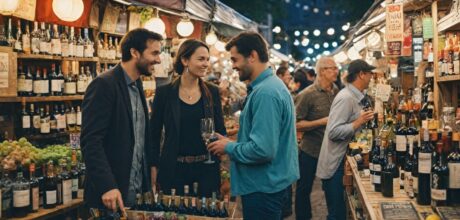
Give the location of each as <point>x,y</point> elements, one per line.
<point>398,210</point>
<point>450,213</point>
<point>383,92</point>
<point>428,28</point>
<point>417,43</point>
<point>394,22</point>
<point>394,48</point>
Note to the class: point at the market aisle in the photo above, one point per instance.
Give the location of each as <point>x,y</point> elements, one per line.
<point>318,201</point>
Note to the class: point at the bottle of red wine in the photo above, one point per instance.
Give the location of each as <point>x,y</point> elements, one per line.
<point>387,177</point>
<point>439,178</point>
<point>453,192</point>
<point>424,170</point>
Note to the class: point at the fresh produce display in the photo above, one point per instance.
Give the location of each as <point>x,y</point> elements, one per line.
<point>23,152</point>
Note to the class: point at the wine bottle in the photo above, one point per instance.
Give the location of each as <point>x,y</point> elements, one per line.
<point>387,177</point>
<point>159,206</point>
<point>75,175</point>
<point>439,178</point>
<point>415,169</point>
<point>57,174</point>
<point>401,142</point>
<point>453,192</point>
<point>138,205</point>
<point>7,195</point>
<point>424,171</point>
<point>21,195</point>
<point>408,181</point>
<point>18,41</point>
<point>56,82</point>
<point>44,122</point>
<point>172,207</point>
<point>182,209</point>
<point>34,190</point>
<point>204,207</point>
<point>26,120</point>
<point>375,165</point>
<point>50,188</point>
<point>66,184</point>
<point>213,212</point>
<point>223,208</point>
<point>35,119</point>
<point>35,39</point>
<point>45,83</point>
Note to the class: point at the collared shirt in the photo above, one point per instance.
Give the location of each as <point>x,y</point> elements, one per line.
<point>264,159</point>
<point>345,109</point>
<point>314,103</point>
<point>136,174</point>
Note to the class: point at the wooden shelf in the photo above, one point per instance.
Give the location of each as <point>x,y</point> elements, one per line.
<point>449,78</point>
<point>50,57</point>
<point>110,61</point>
<point>38,57</point>
<point>49,213</point>
<point>42,99</point>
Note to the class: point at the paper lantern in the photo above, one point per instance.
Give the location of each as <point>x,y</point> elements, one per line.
<point>220,46</point>
<point>185,27</point>
<point>68,10</point>
<point>211,38</point>
<point>156,25</point>
<point>8,7</point>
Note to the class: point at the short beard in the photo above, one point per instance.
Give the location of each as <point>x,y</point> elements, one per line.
<point>143,67</point>
<point>245,72</point>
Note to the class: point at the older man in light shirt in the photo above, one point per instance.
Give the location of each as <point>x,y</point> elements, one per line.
<point>345,119</point>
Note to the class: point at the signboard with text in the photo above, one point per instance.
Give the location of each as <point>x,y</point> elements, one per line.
<point>394,22</point>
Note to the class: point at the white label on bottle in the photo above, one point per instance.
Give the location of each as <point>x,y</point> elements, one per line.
<point>36,121</point>
<point>28,85</point>
<point>415,184</point>
<point>61,122</point>
<point>56,46</point>
<point>78,118</point>
<point>371,167</point>
<point>88,52</point>
<point>51,197</point>
<point>56,85</point>
<point>44,47</point>
<point>79,51</point>
<point>81,86</point>
<point>425,124</point>
<point>377,167</point>
<point>45,86</point>
<point>67,191</point>
<point>401,142</point>
<point>35,45</point>
<point>26,121</point>
<point>21,198</point>
<point>75,185</point>
<point>21,85</point>
<point>80,193</point>
<point>70,88</point>
<point>71,49</point>
<point>36,87</point>
<point>454,175</point>
<point>438,194</point>
<point>25,42</point>
<point>35,198</point>
<point>45,127</point>
<point>424,163</point>
<point>71,120</point>
<point>377,179</point>
<point>65,49</point>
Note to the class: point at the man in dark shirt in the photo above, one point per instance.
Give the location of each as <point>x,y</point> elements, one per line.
<point>312,107</point>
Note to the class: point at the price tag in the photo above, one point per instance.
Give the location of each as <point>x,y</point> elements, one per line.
<point>75,140</point>
<point>383,92</point>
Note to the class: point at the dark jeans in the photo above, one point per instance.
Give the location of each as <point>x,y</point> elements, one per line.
<point>307,167</point>
<point>264,206</point>
<point>287,208</point>
<point>333,190</point>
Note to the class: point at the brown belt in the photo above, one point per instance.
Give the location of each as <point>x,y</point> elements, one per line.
<point>191,159</point>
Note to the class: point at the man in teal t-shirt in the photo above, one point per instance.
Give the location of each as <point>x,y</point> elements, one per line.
<point>264,159</point>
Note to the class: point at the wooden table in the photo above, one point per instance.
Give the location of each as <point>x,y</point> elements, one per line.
<point>371,200</point>
<point>49,213</point>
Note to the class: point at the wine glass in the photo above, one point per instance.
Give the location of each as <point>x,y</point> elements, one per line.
<point>207,133</point>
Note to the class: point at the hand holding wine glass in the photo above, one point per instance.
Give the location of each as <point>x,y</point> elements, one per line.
<point>207,132</point>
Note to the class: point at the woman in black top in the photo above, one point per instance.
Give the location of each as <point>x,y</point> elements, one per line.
<point>178,109</point>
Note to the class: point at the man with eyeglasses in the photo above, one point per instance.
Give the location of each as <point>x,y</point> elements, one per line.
<point>312,107</point>
<point>345,119</point>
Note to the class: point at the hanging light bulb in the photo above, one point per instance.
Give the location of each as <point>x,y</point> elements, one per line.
<point>68,10</point>
<point>156,25</point>
<point>220,46</point>
<point>8,7</point>
<point>185,26</point>
<point>211,38</point>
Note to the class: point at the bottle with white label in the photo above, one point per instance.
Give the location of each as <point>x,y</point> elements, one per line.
<point>45,126</point>
<point>61,119</point>
<point>35,116</point>
<point>56,42</point>
<point>80,45</point>
<point>56,82</point>
<point>44,39</point>
<point>78,119</point>
<point>81,82</point>
<point>70,84</point>
<point>21,81</point>
<point>50,189</point>
<point>439,177</point>
<point>424,170</point>
<point>453,192</point>
<point>66,184</point>
<point>21,195</point>
<point>35,39</point>
<point>25,120</point>
<point>34,189</point>
<point>71,118</point>
<point>72,44</point>
<point>75,175</point>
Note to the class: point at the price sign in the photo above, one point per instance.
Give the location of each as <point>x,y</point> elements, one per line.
<point>398,211</point>
<point>383,92</point>
<point>75,140</point>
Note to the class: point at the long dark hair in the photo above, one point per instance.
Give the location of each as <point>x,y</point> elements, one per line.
<point>186,50</point>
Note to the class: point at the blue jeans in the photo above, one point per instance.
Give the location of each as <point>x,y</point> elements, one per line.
<point>307,167</point>
<point>334,192</point>
<point>264,206</point>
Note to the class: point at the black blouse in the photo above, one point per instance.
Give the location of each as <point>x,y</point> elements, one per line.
<point>190,140</point>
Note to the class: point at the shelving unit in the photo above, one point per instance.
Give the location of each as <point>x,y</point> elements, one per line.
<point>42,99</point>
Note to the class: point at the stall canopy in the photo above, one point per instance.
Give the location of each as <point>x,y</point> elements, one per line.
<point>225,20</point>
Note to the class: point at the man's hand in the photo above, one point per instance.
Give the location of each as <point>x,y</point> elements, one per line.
<point>111,198</point>
<point>218,147</point>
<point>153,175</point>
<point>364,117</point>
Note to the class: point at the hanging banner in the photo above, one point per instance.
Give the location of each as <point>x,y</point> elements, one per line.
<point>134,20</point>
<point>26,10</point>
<point>428,28</point>
<point>407,41</point>
<point>109,22</point>
<point>394,28</point>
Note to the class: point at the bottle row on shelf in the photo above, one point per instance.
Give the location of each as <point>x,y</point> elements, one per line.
<point>53,39</point>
